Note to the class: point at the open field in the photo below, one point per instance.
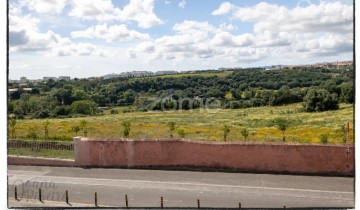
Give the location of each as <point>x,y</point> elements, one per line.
<point>202,74</point>
<point>205,124</point>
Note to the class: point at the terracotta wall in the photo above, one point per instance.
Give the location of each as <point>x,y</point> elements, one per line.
<point>252,157</point>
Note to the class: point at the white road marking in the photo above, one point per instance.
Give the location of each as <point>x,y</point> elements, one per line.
<point>121,182</point>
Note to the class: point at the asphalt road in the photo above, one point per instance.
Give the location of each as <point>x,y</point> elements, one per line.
<point>178,188</point>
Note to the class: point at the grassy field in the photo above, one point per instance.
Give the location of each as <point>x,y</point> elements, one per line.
<point>202,74</point>
<point>48,153</point>
<point>205,125</point>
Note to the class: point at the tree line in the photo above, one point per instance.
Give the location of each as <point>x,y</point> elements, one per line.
<point>319,89</point>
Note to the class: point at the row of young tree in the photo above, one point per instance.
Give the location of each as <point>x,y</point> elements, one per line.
<point>281,124</point>
<point>319,89</point>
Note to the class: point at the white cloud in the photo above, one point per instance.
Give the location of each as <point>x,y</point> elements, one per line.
<point>25,36</point>
<point>167,2</point>
<point>227,27</point>
<point>223,9</point>
<point>323,17</point>
<point>228,40</point>
<point>182,4</point>
<point>110,34</point>
<point>140,11</point>
<point>45,6</point>
<point>101,10</point>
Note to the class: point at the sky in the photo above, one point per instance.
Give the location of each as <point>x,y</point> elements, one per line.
<point>86,38</point>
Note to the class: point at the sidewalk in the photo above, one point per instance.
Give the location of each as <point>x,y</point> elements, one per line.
<point>12,203</point>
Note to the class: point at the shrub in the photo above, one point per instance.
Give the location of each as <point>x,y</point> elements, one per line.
<point>83,126</point>
<point>171,126</point>
<point>181,133</point>
<point>114,111</point>
<point>282,124</point>
<point>32,133</point>
<point>324,138</point>
<point>226,131</point>
<point>75,129</point>
<point>245,133</point>
<point>12,124</point>
<point>343,132</point>
<point>46,129</point>
<point>126,129</point>
<point>320,100</point>
<point>85,107</point>
<point>42,114</point>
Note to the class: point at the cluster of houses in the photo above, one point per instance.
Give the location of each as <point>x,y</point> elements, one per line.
<point>24,80</point>
<point>326,64</point>
<point>139,74</point>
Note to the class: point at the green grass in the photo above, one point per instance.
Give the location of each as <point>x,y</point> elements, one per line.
<point>202,74</point>
<point>205,74</point>
<point>206,125</point>
<point>62,154</point>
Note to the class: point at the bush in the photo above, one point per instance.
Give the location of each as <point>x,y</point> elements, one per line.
<point>226,131</point>
<point>42,114</point>
<point>324,138</point>
<point>114,111</point>
<point>62,111</point>
<point>85,107</point>
<point>171,126</point>
<point>31,133</point>
<point>181,133</point>
<point>126,129</point>
<point>282,124</point>
<point>320,100</point>
<point>245,133</point>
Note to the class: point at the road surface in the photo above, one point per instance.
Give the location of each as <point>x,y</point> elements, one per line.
<point>178,188</point>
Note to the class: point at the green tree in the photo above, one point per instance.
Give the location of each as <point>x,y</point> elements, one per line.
<point>76,129</point>
<point>85,107</point>
<point>46,129</point>
<point>83,126</point>
<point>172,126</point>
<point>245,133</point>
<point>320,100</point>
<point>32,133</point>
<point>282,124</point>
<point>126,129</point>
<point>12,124</point>
<point>181,133</point>
<point>347,93</point>
<point>226,131</point>
<point>324,138</point>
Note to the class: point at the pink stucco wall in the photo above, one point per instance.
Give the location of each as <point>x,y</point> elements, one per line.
<point>253,157</point>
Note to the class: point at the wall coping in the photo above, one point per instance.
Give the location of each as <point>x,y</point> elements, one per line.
<point>212,142</point>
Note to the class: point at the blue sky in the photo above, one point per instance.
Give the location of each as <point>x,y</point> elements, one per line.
<point>84,38</point>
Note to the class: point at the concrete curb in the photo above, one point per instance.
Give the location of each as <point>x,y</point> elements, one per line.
<point>40,161</point>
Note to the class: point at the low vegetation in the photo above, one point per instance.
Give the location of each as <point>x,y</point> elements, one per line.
<point>205,125</point>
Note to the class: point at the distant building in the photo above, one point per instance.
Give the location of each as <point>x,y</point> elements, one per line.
<point>49,78</point>
<point>165,72</point>
<point>66,78</point>
<point>23,80</point>
<point>229,68</point>
<point>35,80</point>
<point>110,76</point>
<point>16,89</point>
<point>14,81</point>
<point>139,73</point>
